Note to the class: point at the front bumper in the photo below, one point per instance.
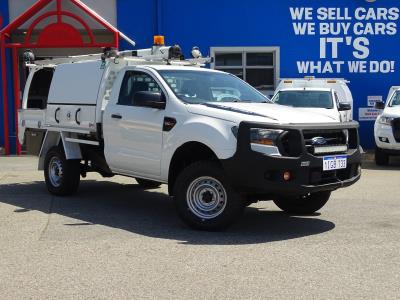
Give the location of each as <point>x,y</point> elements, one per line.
<point>385,132</point>
<point>255,173</point>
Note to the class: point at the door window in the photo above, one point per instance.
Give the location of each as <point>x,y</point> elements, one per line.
<point>134,82</point>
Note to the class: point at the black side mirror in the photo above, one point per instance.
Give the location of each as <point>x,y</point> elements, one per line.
<point>150,99</point>
<point>380,105</point>
<point>344,106</point>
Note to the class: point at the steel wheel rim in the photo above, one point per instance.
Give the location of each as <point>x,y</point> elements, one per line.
<point>206,197</point>
<point>55,171</point>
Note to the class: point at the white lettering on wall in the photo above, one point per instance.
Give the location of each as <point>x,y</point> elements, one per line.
<point>342,31</point>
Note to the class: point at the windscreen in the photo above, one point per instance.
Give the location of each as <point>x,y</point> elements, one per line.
<point>396,99</point>
<point>201,87</point>
<point>307,99</point>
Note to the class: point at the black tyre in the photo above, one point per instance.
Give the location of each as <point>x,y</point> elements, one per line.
<point>381,158</point>
<point>148,184</point>
<point>308,204</point>
<point>62,176</point>
<point>204,198</point>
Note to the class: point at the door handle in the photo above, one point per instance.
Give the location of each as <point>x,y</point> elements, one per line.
<point>55,115</point>
<point>76,116</point>
<point>116,116</point>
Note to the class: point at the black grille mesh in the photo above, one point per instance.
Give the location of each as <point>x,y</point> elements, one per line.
<point>332,137</point>
<point>396,129</point>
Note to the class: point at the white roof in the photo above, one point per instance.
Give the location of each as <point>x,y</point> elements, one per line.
<point>314,79</point>
<point>316,89</point>
<point>178,67</point>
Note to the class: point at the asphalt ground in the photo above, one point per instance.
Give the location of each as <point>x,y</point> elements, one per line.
<point>116,241</point>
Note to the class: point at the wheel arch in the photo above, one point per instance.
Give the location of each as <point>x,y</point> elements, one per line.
<point>55,138</point>
<point>185,155</point>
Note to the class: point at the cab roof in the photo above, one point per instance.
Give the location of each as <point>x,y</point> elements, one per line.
<point>181,68</point>
<point>298,89</point>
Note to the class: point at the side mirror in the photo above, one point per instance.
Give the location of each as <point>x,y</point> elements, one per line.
<point>150,99</point>
<point>344,106</point>
<point>380,105</point>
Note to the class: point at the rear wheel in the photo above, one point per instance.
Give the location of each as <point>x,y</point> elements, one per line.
<point>62,176</point>
<point>381,158</point>
<point>204,198</point>
<point>303,204</point>
<point>148,184</point>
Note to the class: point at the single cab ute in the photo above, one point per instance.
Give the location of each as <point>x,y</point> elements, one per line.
<point>218,143</point>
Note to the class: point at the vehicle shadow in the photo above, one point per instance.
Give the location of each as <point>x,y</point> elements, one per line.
<point>152,214</point>
<point>394,165</point>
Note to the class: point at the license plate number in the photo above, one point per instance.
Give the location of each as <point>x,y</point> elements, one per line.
<point>335,162</point>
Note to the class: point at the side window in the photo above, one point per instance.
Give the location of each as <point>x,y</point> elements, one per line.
<point>39,89</point>
<point>134,82</point>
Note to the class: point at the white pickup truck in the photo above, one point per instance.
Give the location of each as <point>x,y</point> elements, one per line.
<point>327,96</point>
<point>216,141</point>
<point>387,128</point>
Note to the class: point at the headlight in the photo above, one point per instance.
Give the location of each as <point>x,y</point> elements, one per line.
<point>267,137</point>
<point>385,120</point>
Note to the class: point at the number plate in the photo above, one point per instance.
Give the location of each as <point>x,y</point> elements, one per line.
<point>335,162</point>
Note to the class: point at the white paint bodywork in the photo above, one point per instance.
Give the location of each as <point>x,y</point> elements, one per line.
<point>382,130</point>
<point>136,145</point>
<point>334,85</point>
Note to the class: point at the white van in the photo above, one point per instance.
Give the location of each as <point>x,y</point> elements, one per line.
<point>330,97</point>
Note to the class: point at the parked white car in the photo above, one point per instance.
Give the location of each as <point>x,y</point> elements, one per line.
<point>216,141</point>
<point>330,97</point>
<point>387,128</point>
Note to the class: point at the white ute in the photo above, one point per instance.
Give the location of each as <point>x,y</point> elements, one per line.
<point>216,141</point>
<point>327,96</point>
<point>387,128</point>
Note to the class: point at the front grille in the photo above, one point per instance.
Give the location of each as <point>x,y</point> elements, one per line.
<point>396,129</point>
<point>322,142</point>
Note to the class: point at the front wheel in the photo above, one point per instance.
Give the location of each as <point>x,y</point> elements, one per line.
<point>307,204</point>
<point>204,198</point>
<point>62,176</point>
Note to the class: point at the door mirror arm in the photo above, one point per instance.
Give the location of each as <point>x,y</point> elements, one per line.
<point>380,105</point>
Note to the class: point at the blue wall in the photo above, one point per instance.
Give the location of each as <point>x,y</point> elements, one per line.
<point>212,23</point>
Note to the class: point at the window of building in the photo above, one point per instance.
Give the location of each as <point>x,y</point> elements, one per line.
<point>259,66</point>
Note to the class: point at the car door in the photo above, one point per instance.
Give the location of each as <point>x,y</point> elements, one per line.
<point>133,133</point>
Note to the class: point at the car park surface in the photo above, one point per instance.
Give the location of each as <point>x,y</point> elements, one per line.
<point>114,240</point>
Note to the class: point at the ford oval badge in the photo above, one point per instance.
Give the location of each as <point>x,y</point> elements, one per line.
<point>318,141</point>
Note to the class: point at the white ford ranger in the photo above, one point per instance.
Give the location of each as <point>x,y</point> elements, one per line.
<point>216,141</point>
<point>387,128</point>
